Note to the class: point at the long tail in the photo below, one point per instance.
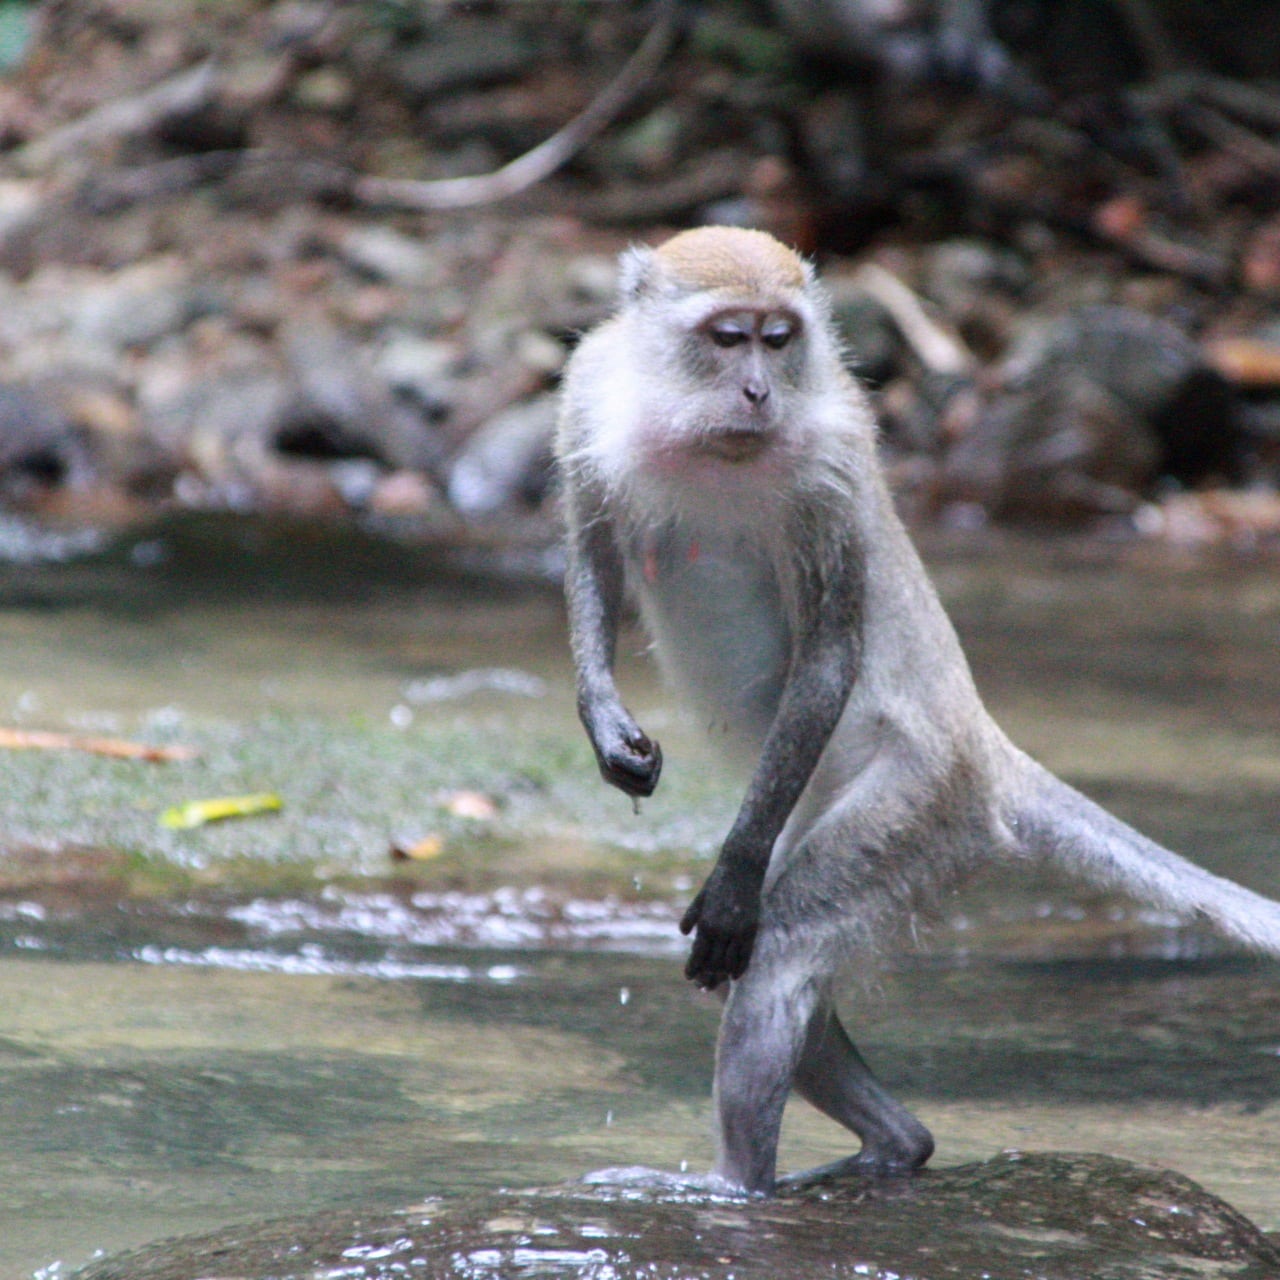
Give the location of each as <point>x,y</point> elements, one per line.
<point>1051,819</point>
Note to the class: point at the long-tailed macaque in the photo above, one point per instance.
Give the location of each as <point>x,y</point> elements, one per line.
<point>719,461</point>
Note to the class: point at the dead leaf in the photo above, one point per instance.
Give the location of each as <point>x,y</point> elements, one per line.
<point>469,804</point>
<point>419,851</point>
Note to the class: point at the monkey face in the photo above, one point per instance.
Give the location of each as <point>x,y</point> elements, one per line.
<point>718,381</point>
<point>741,365</point>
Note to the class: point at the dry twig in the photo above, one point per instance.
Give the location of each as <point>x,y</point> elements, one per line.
<point>188,91</point>
<point>936,347</point>
<point>544,159</point>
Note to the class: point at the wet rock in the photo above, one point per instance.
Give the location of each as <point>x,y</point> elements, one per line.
<point>422,369</point>
<point>213,418</point>
<point>252,81</point>
<point>875,348</point>
<point>1086,414</point>
<point>979,289</point>
<point>39,446</point>
<point>122,452</point>
<point>538,284</point>
<point>960,274</point>
<point>1155,370</point>
<point>1244,521</point>
<point>389,255</point>
<point>507,461</point>
<point>298,486</point>
<point>19,207</point>
<point>138,305</point>
<point>1064,451</point>
<point>348,410</point>
<point>1054,1217</point>
<point>324,89</point>
<point>401,494</point>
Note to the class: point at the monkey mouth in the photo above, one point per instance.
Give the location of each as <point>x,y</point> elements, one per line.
<point>734,445</point>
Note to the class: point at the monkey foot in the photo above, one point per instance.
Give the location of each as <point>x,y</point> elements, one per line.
<point>866,1164</point>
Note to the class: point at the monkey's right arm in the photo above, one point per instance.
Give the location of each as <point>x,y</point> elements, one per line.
<point>628,758</point>
<point>724,916</point>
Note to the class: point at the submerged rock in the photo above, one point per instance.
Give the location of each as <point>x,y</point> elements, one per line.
<point>1052,1217</point>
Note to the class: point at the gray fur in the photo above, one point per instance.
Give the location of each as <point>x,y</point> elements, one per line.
<point>787,602</point>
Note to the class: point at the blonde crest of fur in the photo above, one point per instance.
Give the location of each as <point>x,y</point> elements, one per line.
<point>729,260</point>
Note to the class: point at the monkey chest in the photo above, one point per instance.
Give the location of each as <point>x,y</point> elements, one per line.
<point>713,608</point>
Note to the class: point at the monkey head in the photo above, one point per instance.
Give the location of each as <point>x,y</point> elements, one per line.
<point>728,322</point>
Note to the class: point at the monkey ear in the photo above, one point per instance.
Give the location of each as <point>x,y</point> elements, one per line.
<point>636,270</point>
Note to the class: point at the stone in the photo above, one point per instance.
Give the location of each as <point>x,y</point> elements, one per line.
<point>39,445</point>
<point>138,305</point>
<point>505,462</point>
<point>392,256</point>
<point>345,401</point>
<point>1048,1216</point>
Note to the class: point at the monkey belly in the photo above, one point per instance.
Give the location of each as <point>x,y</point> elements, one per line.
<point>714,611</point>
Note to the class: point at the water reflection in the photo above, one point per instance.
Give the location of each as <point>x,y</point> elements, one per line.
<point>273,1017</point>
<point>239,1083</point>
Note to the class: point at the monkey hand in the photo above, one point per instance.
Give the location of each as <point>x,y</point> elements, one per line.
<point>629,759</point>
<point>726,915</point>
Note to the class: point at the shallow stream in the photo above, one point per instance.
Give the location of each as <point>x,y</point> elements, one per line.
<point>450,960</point>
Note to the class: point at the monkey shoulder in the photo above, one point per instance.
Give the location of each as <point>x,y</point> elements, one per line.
<point>600,400</point>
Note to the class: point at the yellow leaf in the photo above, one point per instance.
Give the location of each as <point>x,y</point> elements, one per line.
<point>195,813</point>
<point>419,851</point>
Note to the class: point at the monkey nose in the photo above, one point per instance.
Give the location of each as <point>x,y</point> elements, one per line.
<point>756,391</point>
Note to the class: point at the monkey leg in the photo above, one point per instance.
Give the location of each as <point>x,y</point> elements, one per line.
<point>762,1035</point>
<point>831,900</point>
<point>833,1077</point>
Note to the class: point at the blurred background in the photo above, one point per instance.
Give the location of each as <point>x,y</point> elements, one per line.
<point>233,280</point>
<point>309,891</point>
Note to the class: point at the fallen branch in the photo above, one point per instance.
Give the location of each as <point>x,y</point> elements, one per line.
<point>1221,130</point>
<point>548,156</point>
<point>1259,104</point>
<point>936,347</point>
<point>41,740</point>
<point>188,91</point>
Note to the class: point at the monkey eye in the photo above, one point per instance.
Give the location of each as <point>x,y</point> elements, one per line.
<point>777,334</point>
<point>727,335</point>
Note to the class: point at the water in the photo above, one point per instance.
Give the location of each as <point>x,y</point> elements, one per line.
<point>274,1015</point>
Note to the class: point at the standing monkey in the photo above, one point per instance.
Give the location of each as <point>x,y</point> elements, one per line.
<point>720,462</point>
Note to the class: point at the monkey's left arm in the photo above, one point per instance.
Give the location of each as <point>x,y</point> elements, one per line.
<point>628,758</point>
<point>824,665</point>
